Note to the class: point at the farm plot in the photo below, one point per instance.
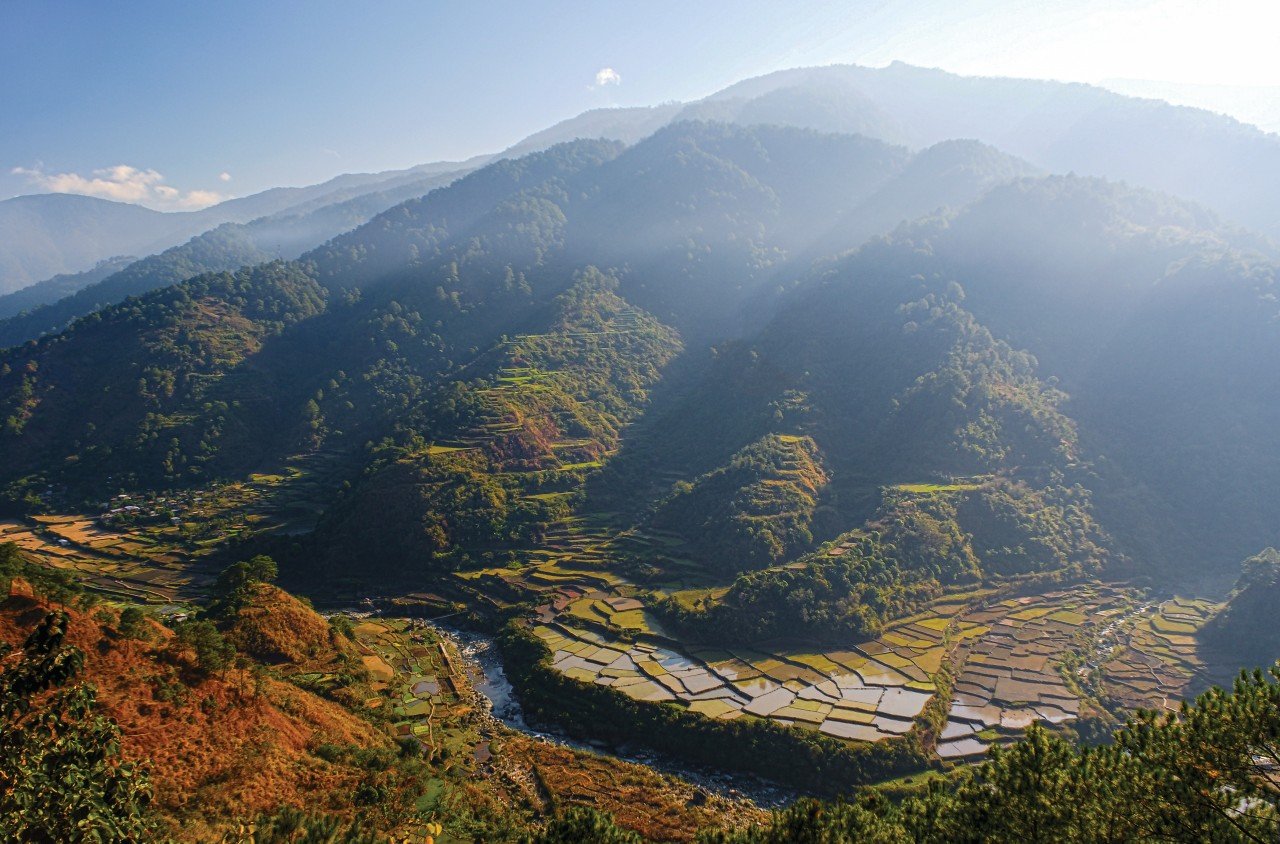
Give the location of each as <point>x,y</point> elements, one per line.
<point>1156,663</point>
<point>121,564</point>
<point>1009,679</point>
<point>1010,654</point>
<point>416,680</point>
<point>868,692</point>
<point>149,548</point>
<point>1013,675</point>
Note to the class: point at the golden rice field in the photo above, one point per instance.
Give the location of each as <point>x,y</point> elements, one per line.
<point>124,564</point>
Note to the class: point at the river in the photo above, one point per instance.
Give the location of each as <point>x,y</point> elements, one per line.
<point>484,665</point>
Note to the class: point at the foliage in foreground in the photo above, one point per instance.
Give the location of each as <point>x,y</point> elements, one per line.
<point>1208,773</point>
<point>61,778</point>
<point>582,823</point>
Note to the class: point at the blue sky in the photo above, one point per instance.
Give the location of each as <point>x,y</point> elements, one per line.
<point>175,104</point>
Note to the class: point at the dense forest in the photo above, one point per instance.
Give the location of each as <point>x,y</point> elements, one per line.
<point>915,547</point>
<point>485,465</point>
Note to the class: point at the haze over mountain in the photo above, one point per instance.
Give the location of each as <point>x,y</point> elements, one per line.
<point>702,223</point>
<point>45,234</point>
<point>1058,127</point>
<point>1258,105</point>
<point>845,427</point>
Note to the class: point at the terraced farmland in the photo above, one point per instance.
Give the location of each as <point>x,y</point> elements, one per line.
<point>1155,663</point>
<point>151,549</point>
<point>125,564</point>
<point>1011,655</point>
<point>535,396</point>
<point>416,679</point>
<point>871,691</point>
<point>1008,657</point>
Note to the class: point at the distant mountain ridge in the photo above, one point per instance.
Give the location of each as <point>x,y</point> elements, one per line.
<point>226,247</point>
<point>49,234</point>
<point>42,235</point>
<point>1057,127</point>
<point>53,289</point>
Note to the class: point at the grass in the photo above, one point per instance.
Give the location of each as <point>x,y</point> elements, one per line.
<point>1162,624</point>
<point>1071,617</point>
<point>547,496</point>
<point>912,782</point>
<point>689,598</point>
<point>434,449</point>
<point>587,464</point>
<point>931,488</point>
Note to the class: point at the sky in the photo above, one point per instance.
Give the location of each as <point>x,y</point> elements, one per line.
<point>179,105</point>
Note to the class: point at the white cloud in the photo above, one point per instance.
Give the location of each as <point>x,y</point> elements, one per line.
<point>607,76</point>
<point>121,183</point>
<point>224,176</point>
<point>200,199</point>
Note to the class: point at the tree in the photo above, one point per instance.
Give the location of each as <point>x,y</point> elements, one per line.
<point>1210,772</point>
<point>55,584</point>
<point>288,825</point>
<point>61,776</point>
<point>133,624</point>
<point>584,825</point>
<point>1025,793</point>
<point>236,581</point>
<point>213,652</point>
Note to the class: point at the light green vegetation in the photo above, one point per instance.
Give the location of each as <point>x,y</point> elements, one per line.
<point>932,488</point>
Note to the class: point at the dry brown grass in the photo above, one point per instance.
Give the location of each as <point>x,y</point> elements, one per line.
<point>659,807</point>
<point>218,751</point>
<point>276,627</point>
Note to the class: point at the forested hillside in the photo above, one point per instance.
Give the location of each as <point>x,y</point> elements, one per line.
<point>52,289</point>
<point>484,465</point>
<point>1124,298</point>
<point>1028,339</point>
<point>143,406</point>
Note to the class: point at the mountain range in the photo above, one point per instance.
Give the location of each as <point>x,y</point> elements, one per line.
<point>1055,126</point>
<point>904,396</point>
<point>1024,336</point>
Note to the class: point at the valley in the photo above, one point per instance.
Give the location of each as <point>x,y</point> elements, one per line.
<point>780,466</point>
<point>971,669</point>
